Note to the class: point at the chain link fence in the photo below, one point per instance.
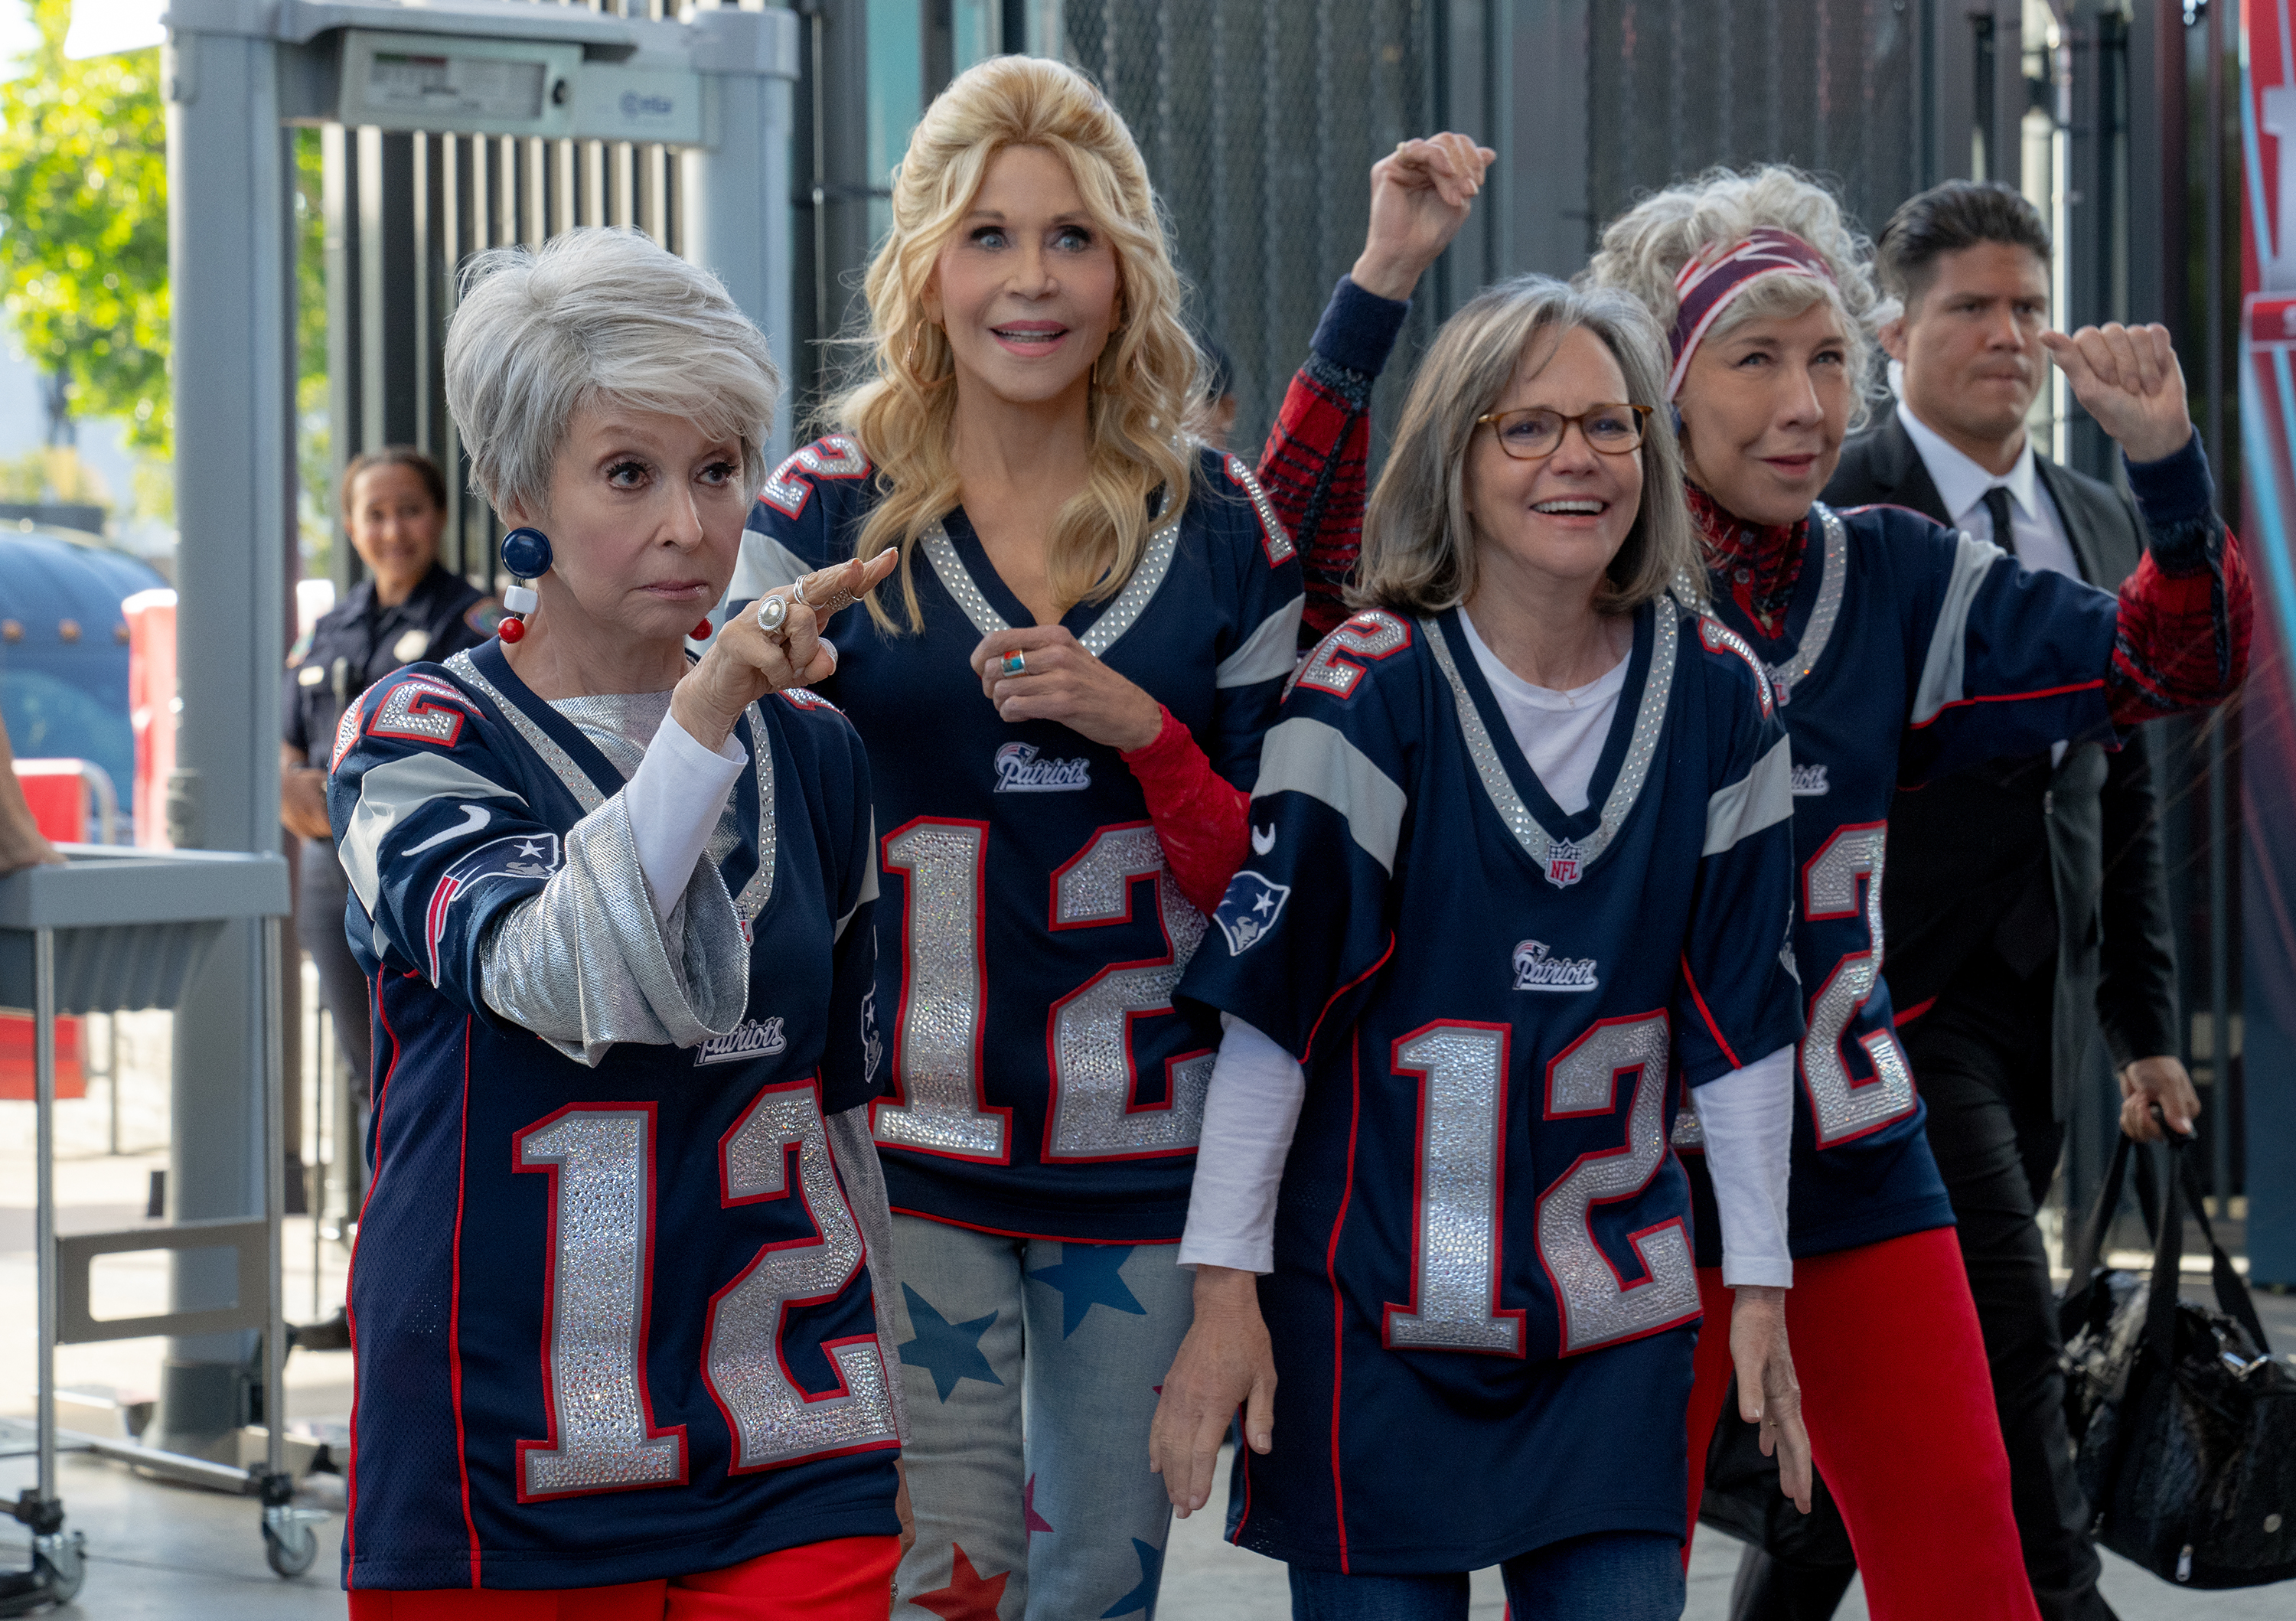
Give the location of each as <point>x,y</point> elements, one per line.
<point>1678,86</point>
<point>1260,120</point>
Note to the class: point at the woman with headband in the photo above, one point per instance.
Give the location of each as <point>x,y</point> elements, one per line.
<point>618,1347</point>
<point>1897,651</point>
<point>1063,702</point>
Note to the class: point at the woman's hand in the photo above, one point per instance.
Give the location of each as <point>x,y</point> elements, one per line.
<point>1224,1363</point>
<point>1060,681</point>
<point>1768,1395</point>
<point>303,801</point>
<point>2128,378</point>
<point>744,662</point>
<point>901,1506</point>
<point>1421,193</point>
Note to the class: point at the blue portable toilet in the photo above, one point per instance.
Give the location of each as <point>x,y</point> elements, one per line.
<point>63,649</point>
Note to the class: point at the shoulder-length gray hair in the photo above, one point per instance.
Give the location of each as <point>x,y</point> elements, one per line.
<point>597,314</point>
<point>1419,543</point>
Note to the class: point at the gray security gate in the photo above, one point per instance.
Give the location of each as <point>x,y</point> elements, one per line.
<point>557,114</point>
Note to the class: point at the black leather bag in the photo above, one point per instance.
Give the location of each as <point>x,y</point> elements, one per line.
<point>2184,1424</point>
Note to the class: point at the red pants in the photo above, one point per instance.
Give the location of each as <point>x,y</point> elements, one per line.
<point>850,1579</point>
<point>1900,1404</point>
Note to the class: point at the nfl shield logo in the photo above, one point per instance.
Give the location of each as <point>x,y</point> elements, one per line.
<point>1562,863</point>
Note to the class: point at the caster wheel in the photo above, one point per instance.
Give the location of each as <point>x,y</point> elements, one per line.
<point>64,1573</point>
<point>289,1547</point>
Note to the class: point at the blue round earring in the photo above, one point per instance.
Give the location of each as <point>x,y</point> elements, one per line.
<point>526,554</point>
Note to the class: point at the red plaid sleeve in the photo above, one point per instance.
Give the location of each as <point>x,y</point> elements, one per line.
<point>2182,641</point>
<point>1314,466</point>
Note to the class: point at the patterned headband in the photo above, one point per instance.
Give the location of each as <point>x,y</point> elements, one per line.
<point>1709,283</point>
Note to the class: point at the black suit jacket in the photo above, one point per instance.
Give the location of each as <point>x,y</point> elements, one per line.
<point>1985,857</point>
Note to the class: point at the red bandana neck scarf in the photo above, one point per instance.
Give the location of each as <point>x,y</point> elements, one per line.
<point>1759,564</point>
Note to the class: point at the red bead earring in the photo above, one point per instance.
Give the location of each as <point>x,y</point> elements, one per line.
<point>701,632</point>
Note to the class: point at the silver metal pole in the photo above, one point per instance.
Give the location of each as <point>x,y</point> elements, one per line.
<point>44,1219</point>
<point>321,1075</point>
<point>274,1202</point>
<point>228,201</point>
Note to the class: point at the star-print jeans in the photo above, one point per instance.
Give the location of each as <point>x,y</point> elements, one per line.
<point>1030,1369</point>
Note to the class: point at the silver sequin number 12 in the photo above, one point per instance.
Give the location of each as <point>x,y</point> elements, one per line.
<point>603,1436</point>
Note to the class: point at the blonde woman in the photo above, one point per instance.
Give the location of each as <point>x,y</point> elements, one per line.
<point>1900,651</point>
<point>1062,691</point>
<point>1521,874</point>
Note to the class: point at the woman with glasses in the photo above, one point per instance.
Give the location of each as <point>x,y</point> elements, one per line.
<point>1522,874</point>
<point>1899,650</point>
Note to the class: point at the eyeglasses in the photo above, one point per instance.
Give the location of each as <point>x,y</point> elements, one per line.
<point>1536,434</point>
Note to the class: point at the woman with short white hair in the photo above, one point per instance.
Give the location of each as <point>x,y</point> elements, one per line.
<point>615,1329</point>
<point>1899,651</point>
<point>1520,875</point>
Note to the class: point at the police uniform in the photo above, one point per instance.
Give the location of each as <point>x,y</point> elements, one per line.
<point>354,644</point>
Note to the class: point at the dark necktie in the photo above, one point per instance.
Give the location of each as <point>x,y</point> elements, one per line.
<point>1997,507</point>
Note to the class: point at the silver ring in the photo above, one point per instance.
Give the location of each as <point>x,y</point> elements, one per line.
<point>1016,663</point>
<point>773,613</point>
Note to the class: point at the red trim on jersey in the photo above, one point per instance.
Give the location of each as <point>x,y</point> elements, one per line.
<point>455,1306</point>
<point>550,1441</point>
<point>1338,1311</point>
<point>898,1096</point>
<point>1914,1012</point>
<point>350,1316</point>
<point>726,1200</point>
<point>1707,1013</point>
<point>1018,1233</point>
<point>1649,1278</point>
<point>1343,990</point>
<point>1388,1309</point>
<point>1244,1463</point>
<point>2078,686</point>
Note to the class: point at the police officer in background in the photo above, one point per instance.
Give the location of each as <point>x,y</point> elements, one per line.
<point>394,505</point>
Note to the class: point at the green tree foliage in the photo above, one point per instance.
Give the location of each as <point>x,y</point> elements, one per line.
<point>84,225</point>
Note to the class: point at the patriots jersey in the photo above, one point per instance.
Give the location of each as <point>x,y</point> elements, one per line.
<point>612,1323</point>
<point>1909,651</point>
<point>1483,1293</point>
<point>1031,932</point>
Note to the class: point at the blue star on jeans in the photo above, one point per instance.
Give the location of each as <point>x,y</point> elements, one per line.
<point>949,1351</point>
<point>1086,1276</point>
<point>1151,1561</point>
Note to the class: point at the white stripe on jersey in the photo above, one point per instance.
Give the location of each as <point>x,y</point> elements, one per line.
<point>1307,756</point>
<point>1763,798</point>
<point>1268,653</point>
<point>394,790</point>
<point>1941,682</point>
<point>764,565</point>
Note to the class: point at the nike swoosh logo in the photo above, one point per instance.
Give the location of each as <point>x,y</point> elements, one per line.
<point>474,817</point>
<point>1263,840</point>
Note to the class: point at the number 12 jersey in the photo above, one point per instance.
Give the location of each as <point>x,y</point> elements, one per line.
<point>1483,1283</point>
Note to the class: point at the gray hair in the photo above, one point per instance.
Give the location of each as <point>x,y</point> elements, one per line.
<point>1645,248</point>
<point>1418,545</point>
<point>596,316</point>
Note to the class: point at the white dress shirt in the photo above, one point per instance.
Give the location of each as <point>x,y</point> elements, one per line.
<point>2037,531</point>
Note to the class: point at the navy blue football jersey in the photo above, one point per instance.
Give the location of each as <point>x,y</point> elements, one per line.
<point>1909,651</point>
<point>1030,931</point>
<point>1483,1295</point>
<point>612,1323</point>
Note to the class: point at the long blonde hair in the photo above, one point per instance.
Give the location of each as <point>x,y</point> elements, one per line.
<point>1142,403</point>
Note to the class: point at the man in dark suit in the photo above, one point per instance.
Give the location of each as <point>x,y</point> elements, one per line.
<point>2025,910</point>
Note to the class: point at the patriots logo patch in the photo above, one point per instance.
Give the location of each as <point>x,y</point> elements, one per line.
<point>524,855</point>
<point>1248,910</point>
